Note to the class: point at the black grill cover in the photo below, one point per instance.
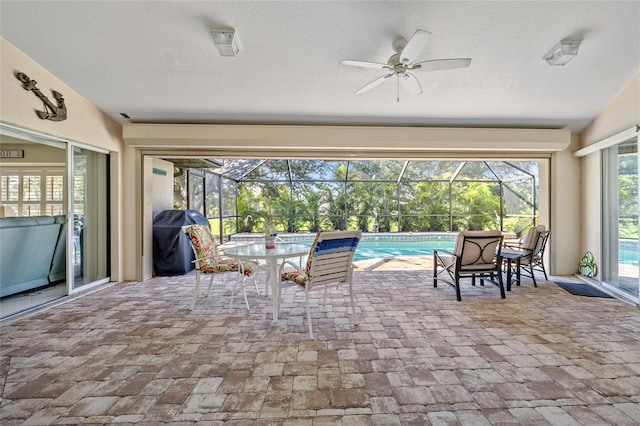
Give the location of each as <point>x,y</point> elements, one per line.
<point>172,253</point>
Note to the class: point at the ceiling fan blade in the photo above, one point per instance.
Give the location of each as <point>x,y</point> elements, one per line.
<point>441,64</point>
<point>411,84</point>
<point>415,46</point>
<point>373,84</point>
<point>365,64</point>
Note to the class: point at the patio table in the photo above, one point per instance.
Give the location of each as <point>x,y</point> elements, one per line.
<point>509,256</point>
<point>270,256</point>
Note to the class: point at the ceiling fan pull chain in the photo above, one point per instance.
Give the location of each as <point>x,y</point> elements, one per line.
<point>398,89</point>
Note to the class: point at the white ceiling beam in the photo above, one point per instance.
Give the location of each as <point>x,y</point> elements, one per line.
<point>355,139</point>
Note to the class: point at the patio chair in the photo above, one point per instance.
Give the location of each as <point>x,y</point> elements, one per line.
<point>533,258</point>
<point>476,255</point>
<point>532,249</point>
<point>329,264</point>
<point>528,241</point>
<point>209,262</point>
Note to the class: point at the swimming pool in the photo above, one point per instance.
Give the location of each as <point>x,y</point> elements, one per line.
<point>381,245</point>
<point>381,249</point>
<point>628,251</point>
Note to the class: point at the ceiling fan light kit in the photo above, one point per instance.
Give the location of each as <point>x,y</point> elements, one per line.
<point>226,41</point>
<point>403,63</point>
<point>562,52</point>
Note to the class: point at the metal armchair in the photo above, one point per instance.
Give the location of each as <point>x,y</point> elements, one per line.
<point>476,255</point>
<point>532,247</point>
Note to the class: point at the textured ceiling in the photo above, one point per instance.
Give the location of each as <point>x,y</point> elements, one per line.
<point>156,61</point>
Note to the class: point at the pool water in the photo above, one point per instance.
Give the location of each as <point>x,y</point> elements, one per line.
<point>385,245</point>
<point>381,249</point>
<point>375,245</point>
<point>628,251</point>
<point>628,257</point>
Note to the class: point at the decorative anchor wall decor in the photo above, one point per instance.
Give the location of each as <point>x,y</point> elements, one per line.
<point>51,111</point>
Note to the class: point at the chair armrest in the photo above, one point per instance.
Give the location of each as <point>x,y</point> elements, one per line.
<point>515,246</point>
<point>287,262</point>
<point>525,251</point>
<point>242,267</point>
<point>223,257</point>
<point>447,261</point>
<point>197,262</point>
<point>200,259</point>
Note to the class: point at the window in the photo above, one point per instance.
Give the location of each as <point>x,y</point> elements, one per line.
<point>33,192</point>
<point>620,218</point>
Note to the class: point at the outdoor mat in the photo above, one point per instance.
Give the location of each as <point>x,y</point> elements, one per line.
<point>580,289</point>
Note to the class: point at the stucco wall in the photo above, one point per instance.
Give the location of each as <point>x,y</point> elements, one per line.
<point>622,113</point>
<point>565,211</point>
<point>33,153</point>
<point>161,185</point>
<point>85,124</point>
<point>158,190</point>
<point>590,202</point>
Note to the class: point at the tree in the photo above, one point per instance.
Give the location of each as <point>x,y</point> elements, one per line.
<point>628,205</point>
<point>475,206</point>
<point>308,205</point>
<point>248,207</point>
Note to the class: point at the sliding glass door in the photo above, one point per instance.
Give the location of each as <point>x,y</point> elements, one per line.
<point>90,227</point>
<point>620,218</point>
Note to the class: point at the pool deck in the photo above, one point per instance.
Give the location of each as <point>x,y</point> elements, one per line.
<point>132,353</point>
<point>405,263</point>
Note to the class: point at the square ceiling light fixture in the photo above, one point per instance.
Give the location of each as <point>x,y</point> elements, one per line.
<point>226,41</point>
<point>562,52</point>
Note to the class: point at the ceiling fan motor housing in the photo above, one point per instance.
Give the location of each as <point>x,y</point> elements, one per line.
<point>396,66</point>
<point>399,44</point>
<point>394,60</point>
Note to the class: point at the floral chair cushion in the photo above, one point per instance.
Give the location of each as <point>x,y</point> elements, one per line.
<point>301,277</point>
<point>209,259</point>
<point>204,243</point>
<point>297,277</point>
<point>225,265</point>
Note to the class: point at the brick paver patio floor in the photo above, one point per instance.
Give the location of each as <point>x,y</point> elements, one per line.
<point>133,353</point>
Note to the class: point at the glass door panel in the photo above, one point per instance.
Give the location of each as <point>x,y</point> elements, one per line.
<point>37,188</point>
<point>90,243</point>
<point>621,263</point>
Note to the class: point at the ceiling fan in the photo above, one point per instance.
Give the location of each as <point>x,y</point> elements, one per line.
<point>402,64</point>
